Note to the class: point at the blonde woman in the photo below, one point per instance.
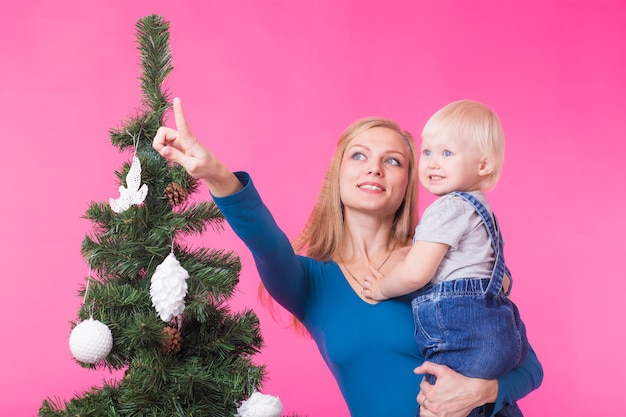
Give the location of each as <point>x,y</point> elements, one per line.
<point>364,215</point>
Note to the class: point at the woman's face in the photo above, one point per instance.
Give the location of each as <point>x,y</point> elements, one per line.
<point>373,176</point>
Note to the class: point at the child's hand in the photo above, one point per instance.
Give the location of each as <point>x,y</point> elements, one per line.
<point>371,285</point>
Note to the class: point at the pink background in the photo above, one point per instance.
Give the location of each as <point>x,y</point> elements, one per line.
<point>269,86</point>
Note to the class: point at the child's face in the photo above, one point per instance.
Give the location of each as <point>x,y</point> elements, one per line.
<point>449,163</point>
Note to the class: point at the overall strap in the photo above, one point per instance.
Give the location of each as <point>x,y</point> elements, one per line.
<point>499,269</point>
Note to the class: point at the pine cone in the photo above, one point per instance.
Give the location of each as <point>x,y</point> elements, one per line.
<point>173,341</point>
<point>176,194</point>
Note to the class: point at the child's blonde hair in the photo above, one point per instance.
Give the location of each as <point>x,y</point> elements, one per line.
<point>476,123</point>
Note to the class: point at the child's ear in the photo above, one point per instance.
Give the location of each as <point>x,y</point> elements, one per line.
<point>485,167</point>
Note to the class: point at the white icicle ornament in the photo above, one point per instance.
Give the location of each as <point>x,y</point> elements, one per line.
<point>168,288</point>
<point>260,405</point>
<point>91,341</point>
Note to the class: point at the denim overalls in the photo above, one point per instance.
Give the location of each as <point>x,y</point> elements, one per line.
<point>469,324</point>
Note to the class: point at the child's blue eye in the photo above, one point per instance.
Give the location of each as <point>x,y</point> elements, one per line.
<point>426,152</point>
<point>447,153</point>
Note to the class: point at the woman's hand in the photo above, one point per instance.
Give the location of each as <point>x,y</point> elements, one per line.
<point>182,147</point>
<point>453,394</point>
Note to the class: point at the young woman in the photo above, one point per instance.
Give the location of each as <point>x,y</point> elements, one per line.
<point>364,215</point>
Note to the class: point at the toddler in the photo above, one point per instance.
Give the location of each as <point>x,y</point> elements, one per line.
<point>463,316</point>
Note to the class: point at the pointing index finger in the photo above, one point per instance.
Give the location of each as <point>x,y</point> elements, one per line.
<point>179,117</point>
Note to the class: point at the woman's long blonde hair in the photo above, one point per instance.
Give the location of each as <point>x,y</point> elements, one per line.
<point>322,235</point>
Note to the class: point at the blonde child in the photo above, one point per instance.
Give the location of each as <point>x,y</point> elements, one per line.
<point>463,316</point>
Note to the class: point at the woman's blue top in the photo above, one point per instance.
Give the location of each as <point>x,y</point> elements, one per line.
<point>369,348</point>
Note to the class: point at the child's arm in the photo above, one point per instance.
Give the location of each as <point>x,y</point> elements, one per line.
<point>410,274</point>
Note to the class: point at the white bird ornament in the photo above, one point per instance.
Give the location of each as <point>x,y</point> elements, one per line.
<point>132,193</point>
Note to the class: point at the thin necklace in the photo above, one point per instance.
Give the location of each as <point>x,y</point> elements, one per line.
<point>352,275</point>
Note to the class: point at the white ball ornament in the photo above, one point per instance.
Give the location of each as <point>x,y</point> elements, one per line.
<point>168,288</point>
<point>91,341</point>
<point>260,405</point>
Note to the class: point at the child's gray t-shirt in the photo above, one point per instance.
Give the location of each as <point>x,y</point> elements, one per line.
<point>452,220</point>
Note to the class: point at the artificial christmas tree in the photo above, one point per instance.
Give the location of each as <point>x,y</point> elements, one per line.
<point>184,352</point>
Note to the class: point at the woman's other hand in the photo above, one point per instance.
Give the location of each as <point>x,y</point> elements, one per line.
<point>452,395</point>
